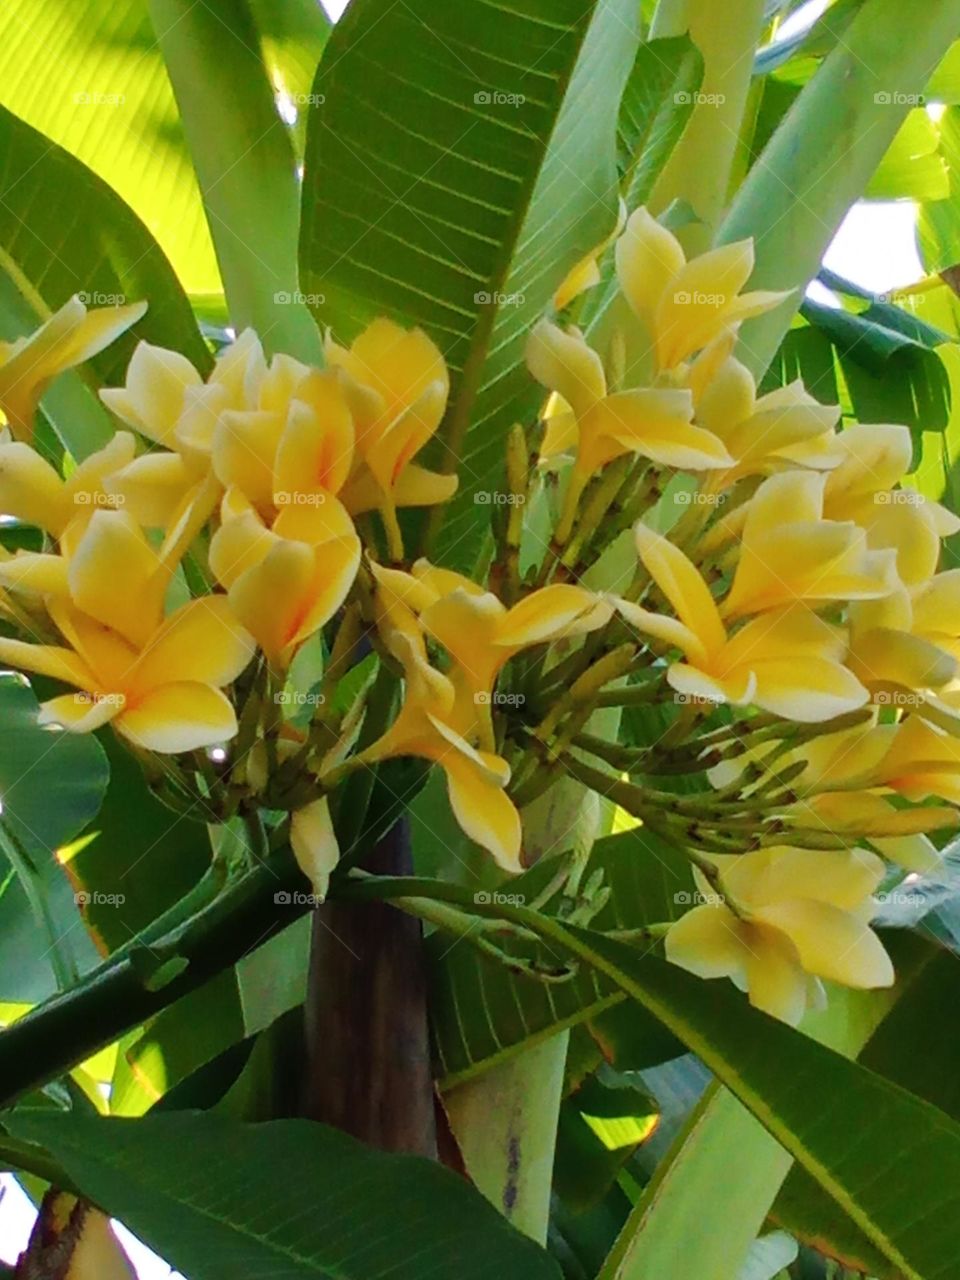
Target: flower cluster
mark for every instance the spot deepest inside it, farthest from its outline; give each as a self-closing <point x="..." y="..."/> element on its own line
<point x="674" y="542"/>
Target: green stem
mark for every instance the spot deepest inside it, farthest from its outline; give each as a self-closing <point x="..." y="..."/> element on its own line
<point x="700" y="168"/>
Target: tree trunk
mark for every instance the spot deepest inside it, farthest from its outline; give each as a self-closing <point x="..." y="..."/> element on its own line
<point x="368" y="1051"/>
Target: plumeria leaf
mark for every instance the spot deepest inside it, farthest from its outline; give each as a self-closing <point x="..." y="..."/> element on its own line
<point x="466" y="219"/>
<point x="237" y="1209"/>
<point x="482" y="1014"/>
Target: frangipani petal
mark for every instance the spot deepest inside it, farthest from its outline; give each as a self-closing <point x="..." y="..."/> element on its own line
<point x="484" y="810"/>
<point x="681" y="582"/>
<point x="563" y="362"/>
<point x="314" y="844"/>
<point x="201" y="641"/>
<point x="178" y="717"/>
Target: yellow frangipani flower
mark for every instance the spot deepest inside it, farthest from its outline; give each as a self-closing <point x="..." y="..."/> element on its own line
<point x="654" y="423"/>
<point x="398" y="386"/>
<point x="425" y="728"/>
<point x="876" y="458"/>
<point x="33" y="491"/>
<point x="295" y="449"/>
<point x="482" y="635"/>
<point x="788" y="552"/>
<point x="788" y="662"/>
<point x="286" y="580"/>
<point x="852" y="776"/>
<point x="684" y="306"/>
<point x="888" y="648"/>
<point x="71" y="335"/>
<point x="587" y="271"/>
<point x="158" y="680"/>
<point x="785" y="428"/>
<point x="795" y="916"/>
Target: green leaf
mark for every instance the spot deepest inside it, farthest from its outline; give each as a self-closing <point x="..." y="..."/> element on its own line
<point x="462" y="161"/>
<point x="90" y="76"/>
<point x="103" y="252"/>
<point x="245" y="164"/>
<point x="36" y="763"/>
<point x="938" y="233"/>
<point x="891" y="369"/>
<point x="657" y="103"/>
<point x="286" y="1199"/>
<point x="483" y="1015"/>
<point x="916" y="1046"/>
<point x="891" y="1160"/>
<point x="826" y="150"/>
<point x="913" y="167"/>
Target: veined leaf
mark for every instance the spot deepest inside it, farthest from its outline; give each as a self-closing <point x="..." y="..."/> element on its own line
<point x="34" y="764"/>
<point x="287" y="1199"/>
<point x="64" y="232"/>
<point x="826" y="149"/>
<point x="482" y="1014"/>
<point x="462" y="160"/>
<point x="891" y="1160"/>
<point x="91" y="77"/>
<point x="244" y="161"/>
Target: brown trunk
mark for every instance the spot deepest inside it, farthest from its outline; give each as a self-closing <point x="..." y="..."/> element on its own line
<point x="368" y="1052"/>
